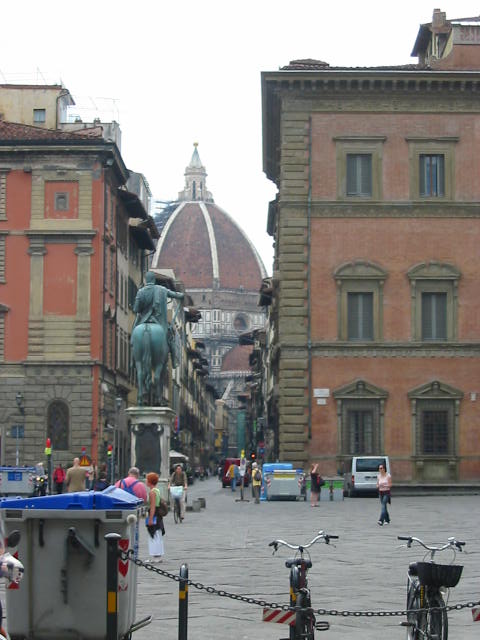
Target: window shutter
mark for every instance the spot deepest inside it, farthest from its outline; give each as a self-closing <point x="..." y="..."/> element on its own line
<point x="351" y="174"/>
<point x="366" y="175"/>
<point x="360" y="316"/>
<point x="434" y="316"/>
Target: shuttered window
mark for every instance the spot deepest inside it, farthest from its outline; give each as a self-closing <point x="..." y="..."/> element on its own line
<point x="360" y="316"/>
<point x="434" y="316"/>
<point x="432" y="175"/>
<point x="360" y="432"/>
<point x="435" y="432"/>
<point x="359" y="174"/>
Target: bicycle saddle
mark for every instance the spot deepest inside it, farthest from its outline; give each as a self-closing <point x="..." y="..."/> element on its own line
<point x="298" y="561"/>
<point x="413" y="569"/>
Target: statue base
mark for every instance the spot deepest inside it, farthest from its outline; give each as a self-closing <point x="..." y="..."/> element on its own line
<point x="150" y="429"/>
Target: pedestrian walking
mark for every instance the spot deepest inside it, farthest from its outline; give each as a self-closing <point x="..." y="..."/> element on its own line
<point x="256" y="482"/>
<point x="132" y="484"/>
<point x="384" y="485"/>
<point x="75" y="477"/>
<point x="101" y="482"/>
<point x="59" y="478"/>
<point x="154" y="521"/>
<point x="179" y="479"/>
<point x="316" y="482"/>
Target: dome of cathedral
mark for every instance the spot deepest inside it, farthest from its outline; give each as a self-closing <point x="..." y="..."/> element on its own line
<point x="204" y="246"/>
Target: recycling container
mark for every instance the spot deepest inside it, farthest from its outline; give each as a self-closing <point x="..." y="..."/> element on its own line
<point x="63" y="593"/>
<point x="267" y="468"/>
<point x="285" y="484"/>
<point x="17" y="481"/>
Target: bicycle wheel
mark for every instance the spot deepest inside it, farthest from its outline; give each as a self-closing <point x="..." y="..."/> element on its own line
<point x="176" y="511"/>
<point x="437" y="620"/>
<point x="414" y="617"/>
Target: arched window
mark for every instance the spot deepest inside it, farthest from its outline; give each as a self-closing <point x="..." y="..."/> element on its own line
<point x="58" y="425"/>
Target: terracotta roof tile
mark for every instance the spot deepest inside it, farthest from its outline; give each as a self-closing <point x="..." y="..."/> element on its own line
<point x="12" y="131"/>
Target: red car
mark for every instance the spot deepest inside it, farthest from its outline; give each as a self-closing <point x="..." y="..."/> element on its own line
<point x="226" y="478"/>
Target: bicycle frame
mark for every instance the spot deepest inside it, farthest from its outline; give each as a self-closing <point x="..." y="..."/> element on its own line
<point x="426" y="615"/>
<point x="300" y="599"/>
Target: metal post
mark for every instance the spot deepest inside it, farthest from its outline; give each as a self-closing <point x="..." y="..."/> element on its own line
<point x="112" y="585"/>
<point x="183" y="603"/>
<point x="16" y="452"/>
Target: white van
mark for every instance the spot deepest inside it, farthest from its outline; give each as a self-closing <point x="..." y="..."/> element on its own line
<point x="363" y="476"/>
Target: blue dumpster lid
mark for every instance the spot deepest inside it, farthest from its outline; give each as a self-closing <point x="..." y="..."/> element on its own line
<point x="272" y="466"/>
<point x="109" y="498"/>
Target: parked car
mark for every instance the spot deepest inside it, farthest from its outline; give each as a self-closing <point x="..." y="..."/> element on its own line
<point x="226" y="467"/>
<point x="362" y="477"/>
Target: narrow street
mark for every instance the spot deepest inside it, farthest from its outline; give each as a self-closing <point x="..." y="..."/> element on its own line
<point x="226" y="546"/>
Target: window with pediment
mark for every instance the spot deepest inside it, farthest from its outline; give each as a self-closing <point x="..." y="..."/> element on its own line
<point x="360" y="411"/>
<point x="434" y="296"/>
<point x="360" y="301"/>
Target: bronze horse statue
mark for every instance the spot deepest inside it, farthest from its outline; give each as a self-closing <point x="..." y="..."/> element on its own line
<point x="151" y="339"/>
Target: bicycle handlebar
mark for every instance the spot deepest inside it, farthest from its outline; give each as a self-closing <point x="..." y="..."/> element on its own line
<point x="321" y="535"/>
<point x="452" y="542"/>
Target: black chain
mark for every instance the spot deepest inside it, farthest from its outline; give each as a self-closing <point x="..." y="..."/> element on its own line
<point x="129" y="555"/>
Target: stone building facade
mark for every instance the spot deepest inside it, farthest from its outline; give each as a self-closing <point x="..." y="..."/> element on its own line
<point x="374" y="314"/>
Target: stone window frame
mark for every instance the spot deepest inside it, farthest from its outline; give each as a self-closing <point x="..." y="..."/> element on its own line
<point x="3" y="193"/>
<point x="432" y="396"/>
<point x="359" y="276"/>
<point x="358" y="395"/>
<point x="64" y="405"/>
<point x="434" y="277"/>
<point x="358" y="144"/>
<point x="420" y="145"/>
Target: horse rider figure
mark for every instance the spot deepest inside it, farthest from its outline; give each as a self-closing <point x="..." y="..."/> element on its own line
<point x="150" y="345"/>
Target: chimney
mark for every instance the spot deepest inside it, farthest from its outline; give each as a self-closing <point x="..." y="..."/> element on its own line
<point x="439" y="18"/>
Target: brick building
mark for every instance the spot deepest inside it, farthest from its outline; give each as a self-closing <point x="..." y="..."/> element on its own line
<point x="375" y="316"/>
<point x="73" y="245"/>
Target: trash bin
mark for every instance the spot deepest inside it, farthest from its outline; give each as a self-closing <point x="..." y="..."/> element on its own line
<point x="285" y="484"/>
<point x="17" y="481"/>
<point x="266" y="469"/>
<point x="63" y="593"/>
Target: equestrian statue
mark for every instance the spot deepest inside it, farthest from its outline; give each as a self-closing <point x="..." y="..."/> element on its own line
<point x="153" y="337"/>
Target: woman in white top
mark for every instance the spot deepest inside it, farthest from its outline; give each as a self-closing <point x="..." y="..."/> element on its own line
<point x="384" y="484"/>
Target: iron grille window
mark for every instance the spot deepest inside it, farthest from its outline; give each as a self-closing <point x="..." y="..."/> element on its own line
<point x="435" y="432"/>
<point x="359" y="174"/>
<point x="360" y="316"/>
<point x="360" y="432"/>
<point x="58" y="425"/>
<point x="434" y="316"/>
<point x="432" y="175"/>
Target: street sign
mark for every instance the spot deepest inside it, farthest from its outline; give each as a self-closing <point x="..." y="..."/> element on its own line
<point x="85" y="461"/>
<point x="17" y="431"/>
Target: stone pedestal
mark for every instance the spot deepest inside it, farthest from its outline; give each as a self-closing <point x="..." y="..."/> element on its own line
<point x="150" y="429"/>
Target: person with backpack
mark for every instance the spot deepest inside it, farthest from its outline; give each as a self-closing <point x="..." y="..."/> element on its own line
<point x="133" y="485"/>
<point x="256" y="482"/>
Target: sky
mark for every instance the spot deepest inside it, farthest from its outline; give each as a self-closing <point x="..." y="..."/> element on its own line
<point x="184" y="71"/>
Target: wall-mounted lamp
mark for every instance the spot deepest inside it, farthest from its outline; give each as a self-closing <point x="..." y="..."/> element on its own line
<point x="19" y="401"/>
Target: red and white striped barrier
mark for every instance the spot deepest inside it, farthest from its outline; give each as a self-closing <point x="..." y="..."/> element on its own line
<point x="279" y="615"/>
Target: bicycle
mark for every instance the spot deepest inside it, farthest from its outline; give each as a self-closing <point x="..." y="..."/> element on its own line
<point x="300" y="599"/>
<point x="426" y="614"/>
<point x="177" y="492"/>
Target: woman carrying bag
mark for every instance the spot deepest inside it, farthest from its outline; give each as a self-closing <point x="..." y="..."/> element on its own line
<point x="154" y="520"/>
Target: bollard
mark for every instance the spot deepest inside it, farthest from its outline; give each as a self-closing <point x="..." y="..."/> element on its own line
<point x="203" y="502"/>
<point x="183" y="603"/>
<point x="112" y="585"/>
<point x="331" y="490"/>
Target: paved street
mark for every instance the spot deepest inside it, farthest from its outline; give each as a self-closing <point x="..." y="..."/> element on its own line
<point x="226" y="546"/>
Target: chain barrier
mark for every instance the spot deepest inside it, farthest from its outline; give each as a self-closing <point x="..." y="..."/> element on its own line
<point x="129" y="555"/>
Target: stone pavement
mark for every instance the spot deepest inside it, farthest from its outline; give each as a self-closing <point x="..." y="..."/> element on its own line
<point x="226" y="546"/>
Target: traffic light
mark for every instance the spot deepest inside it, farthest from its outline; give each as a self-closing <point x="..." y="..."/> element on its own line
<point x="109" y="450"/>
<point x="253" y="456"/>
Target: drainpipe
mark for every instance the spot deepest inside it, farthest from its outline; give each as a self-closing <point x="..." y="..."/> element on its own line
<point x="309" y="278"/>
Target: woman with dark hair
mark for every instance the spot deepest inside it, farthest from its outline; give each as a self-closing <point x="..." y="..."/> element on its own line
<point x="314" y="485"/>
<point x="154" y="520"/>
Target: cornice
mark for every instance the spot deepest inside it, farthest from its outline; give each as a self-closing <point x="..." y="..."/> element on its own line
<point x="416" y="209"/>
<point x="384" y="350"/>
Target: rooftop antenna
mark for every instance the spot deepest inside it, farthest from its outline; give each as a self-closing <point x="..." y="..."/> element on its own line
<point x="3" y="76"/>
<point x="39" y="73"/>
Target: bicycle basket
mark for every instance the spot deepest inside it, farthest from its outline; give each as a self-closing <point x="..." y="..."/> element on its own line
<point x="439" y="575"/>
<point x="176" y="491"/>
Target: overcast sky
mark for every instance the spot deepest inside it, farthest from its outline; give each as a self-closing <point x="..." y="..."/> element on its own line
<point x="177" y="72"/>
